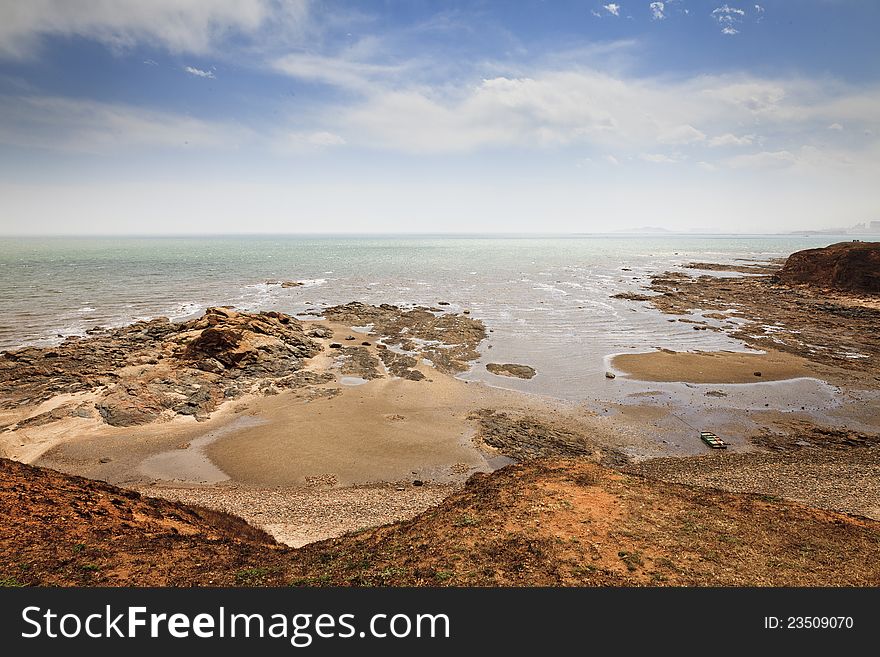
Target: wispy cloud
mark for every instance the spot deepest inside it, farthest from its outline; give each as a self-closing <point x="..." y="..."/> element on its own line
<point x="657" y="9"/>
<point x="612" y="8"/>
<point x="79" y="125"/>
<point x="657" y="158"/>
<point x="681" y="134"/>
<point x="336" y="71"/>
<point x="730" y="139"/>
<point x="728" y="18"/>
<point x="762" y="160"/>
<point x="192" y="70"/>
<point x="194" y="26"/>
<point x="298" y="142"/>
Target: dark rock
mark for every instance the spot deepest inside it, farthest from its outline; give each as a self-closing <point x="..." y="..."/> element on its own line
<point x="335" y="345"/>
<point x="126" y="408"/>
<point x="631" y="296"/>
<point x="511" y="369"/>
<point x="846" y="266"/>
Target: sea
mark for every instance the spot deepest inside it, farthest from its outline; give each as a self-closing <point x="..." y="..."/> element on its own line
<point x="546" y="299"/>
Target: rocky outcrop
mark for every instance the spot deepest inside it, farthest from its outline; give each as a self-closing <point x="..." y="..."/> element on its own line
<point x="846" y="266"/>
<point x="148" y="370"/>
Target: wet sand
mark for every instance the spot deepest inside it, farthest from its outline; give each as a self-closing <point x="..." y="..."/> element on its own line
<point x="712" y="367"/>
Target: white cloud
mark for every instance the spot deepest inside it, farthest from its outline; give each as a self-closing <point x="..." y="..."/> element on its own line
<point x="194" y="26"/>
<point x="612" y="160"/>
<point x="835" y="126"/>
<point x="657" y="9"/>
<point x="807" y="158"/>
<point x="192" y="70"/>
<point x="657" y="158"/>
<point x="50" y="122"/>
<point x="612" y="8"/>
<point x="728" y="17"/>
<point x="336" y="71"/>
<point x="681" y="134"/>
<point x="763" y="160"/>
<point x="557" y="108"/>
<point x="729" y="139"/>
<point x="307" y="141"/>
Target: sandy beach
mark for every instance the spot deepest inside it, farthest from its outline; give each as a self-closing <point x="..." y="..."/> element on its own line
<point x="712" y="367"/>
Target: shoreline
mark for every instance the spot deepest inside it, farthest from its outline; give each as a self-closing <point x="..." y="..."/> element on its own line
<point x="307" y="439"/>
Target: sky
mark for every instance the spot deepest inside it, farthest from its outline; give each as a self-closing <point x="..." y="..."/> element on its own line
<point x="308" y="116"/>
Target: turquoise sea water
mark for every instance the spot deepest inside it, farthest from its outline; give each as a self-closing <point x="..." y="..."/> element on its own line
<point x="546" y="298"/>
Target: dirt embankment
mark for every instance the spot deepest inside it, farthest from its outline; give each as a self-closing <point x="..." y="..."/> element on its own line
<point x="59" y="530"/>
<point x="546" y="522"/>
<point x="572" y="522"/>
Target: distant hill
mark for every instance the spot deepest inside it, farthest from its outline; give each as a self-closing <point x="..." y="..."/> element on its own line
<point x="863" y="228"/>
<point x="646" y="230"/>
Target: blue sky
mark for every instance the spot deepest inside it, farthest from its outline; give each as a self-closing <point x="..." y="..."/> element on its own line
<point x="298" y="116"/>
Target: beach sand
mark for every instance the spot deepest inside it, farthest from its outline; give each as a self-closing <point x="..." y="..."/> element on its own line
<point x="712" y="367"/>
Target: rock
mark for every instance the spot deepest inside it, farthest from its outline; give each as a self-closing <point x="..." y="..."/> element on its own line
<point x="609" y="375"/>
<point x="442" y="303"/>
<point x="335" y="345"/>
<point x="322" y="332"/>
<point x="351" y="337"/>
<point x="126" y="408"/>
<point x="846" y="266"/>
<point x="452" y="339"/>
<point x="418" y="482"/>
<point x="291" y="284"/>
<point x="104" y="459"/>
<point x="524" y="438"/>
<point x="757" y="374"/>
<point x="511" y="369"/>
<point x="631" y="296"/>
<point x="358" y="361"/>
<point x="365" y="344"/>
